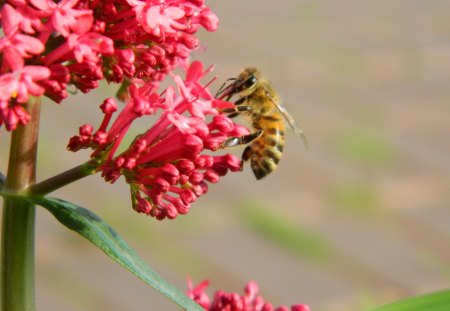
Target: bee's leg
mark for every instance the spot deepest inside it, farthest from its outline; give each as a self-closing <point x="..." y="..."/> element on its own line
<point x="240" y="101"/>
<point x="241" y="140"/>
<point x="246" y="156"/>
<point x="235" y="111"/>
<point x="233" y="115"/>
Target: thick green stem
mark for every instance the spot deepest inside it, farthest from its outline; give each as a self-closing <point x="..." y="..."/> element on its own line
<point x="17" y="258"/>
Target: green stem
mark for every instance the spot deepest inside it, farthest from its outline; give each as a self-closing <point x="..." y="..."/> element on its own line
<point x="17" y="258"/>
<point x="65" y="178"/>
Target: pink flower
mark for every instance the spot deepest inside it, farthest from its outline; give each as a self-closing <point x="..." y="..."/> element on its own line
<point x="159" y="19"/>
<point x="170" y="25"/>
<point x="22" y="17"/>
<point x="83" y="49"/>
<point x="63" y="18"/>
<point x="198" y="293"/>
<point x="55" y="86"/>
<point x="19" y="84"/>
<point x="16" y="48"/>
<point x="12" y="114"/>
<point x="223" y="301"/>
<point x="165" y="166"/>
<point x="82" y="42"/>
<point x="15" y="88"/>
<point x="208" y="20"/>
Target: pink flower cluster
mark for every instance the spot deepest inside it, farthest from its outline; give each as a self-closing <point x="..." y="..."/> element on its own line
<point x="48" y="45"/>
<point x="223" y="301"/>
<point x="166" y="167"/>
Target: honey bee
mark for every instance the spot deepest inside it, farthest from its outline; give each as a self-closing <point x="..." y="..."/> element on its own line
<point x="261" y="104"/>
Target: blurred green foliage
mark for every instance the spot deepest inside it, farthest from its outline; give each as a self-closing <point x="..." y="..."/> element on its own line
<point x="356" y="198"/>
<point x="278" y="228"/>
<point x="364" y="146"/>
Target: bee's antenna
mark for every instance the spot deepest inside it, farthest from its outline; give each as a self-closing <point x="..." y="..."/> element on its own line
<point x="223" y="88"/>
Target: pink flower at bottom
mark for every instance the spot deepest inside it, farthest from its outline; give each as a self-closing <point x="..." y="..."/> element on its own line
<point x="222" y="301"/>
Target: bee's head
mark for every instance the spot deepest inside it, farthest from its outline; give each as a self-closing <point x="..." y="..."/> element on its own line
<point x="246" y="82"/>
<point x="244" y="85"/>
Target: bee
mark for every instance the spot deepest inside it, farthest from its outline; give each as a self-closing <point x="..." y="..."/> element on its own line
<point x="261" y="104"/>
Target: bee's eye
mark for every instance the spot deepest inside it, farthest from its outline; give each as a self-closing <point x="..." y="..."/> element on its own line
<point x="251" y="81"/>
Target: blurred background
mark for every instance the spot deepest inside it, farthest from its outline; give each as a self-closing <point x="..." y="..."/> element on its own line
<point x="358" y="220"/>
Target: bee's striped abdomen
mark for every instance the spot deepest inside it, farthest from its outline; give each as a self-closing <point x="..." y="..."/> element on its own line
<point x="266" y="151"/>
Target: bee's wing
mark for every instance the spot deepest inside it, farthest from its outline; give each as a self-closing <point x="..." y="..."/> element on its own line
<point x="290" y="120"/>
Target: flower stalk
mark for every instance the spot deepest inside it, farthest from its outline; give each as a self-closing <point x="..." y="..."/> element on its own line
<point x="17" y="259"/>
<point x="58" y="181"/>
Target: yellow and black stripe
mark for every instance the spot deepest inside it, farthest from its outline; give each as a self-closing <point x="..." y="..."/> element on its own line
<point x="265" y="152"/>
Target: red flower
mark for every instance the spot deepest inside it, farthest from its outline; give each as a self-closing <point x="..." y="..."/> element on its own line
<point x="21" y="16"/>
<point x="165" y="166"/>
<point x="16" y="48"/>
<point x="18" y="84"/>
<point x="63" y="18"/>
<point x="15" y="89"/>
<point x="82" y="42"/>
<point x="223" y="301"/>
<point x="159" y="19"/>
<point x="12" y="114"/>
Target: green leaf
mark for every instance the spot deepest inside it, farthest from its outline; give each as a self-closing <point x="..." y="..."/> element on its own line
<point x="93" y="228"/>
<point x="439" y="301"/>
